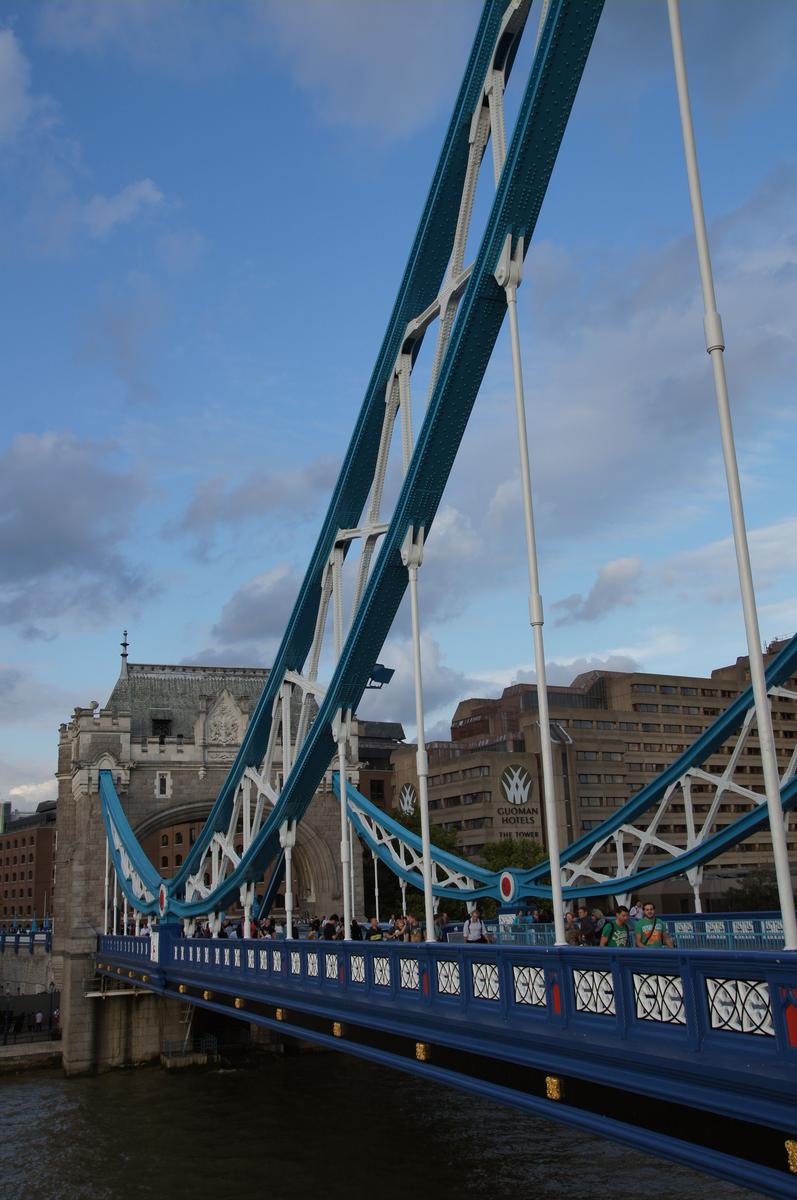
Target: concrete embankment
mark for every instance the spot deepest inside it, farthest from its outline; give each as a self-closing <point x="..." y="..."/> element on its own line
<point x="28" y="1055"/>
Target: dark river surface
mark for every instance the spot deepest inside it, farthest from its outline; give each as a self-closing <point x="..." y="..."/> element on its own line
<point x="314" y="1125"/>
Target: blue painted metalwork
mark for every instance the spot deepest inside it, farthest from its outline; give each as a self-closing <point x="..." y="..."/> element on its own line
<point x="562" y="50"/>
<point x="563" y="47"/>
<point x="716" y="1032"/>
<point x="30" y="941"/>
<point x="528" y="882"/>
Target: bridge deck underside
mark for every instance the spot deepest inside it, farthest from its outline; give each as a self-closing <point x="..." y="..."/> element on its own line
<point x="695" y="1050"/>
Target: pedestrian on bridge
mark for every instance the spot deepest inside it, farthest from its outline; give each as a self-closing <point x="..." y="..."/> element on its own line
<point x="651" y="930"/>
<point x="475" y="929"/>
<point x="618" y="932"/>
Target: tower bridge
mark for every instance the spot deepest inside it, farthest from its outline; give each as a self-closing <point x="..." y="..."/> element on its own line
<point x="689" y="1054"/>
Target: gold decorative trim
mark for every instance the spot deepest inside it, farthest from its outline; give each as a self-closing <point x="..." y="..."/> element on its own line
<point x="239" y="1003"/>
<point x="280" y="1014"/>
<point x="337" y="1029"/>
<point x="423" y="1051"/>
<point x="182" y="989"/>
<point x="207" y="995"/>
<point x="791" y="1154"/>
<point x="553" y="1087"/>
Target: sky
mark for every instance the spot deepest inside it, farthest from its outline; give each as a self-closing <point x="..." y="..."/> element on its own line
<point x="205" y="210"/>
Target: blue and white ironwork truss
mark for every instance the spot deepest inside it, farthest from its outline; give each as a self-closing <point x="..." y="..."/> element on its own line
<point x="299" y="720"/>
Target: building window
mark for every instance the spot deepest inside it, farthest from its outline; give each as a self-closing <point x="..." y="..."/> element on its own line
<point x="178" y="838"/>
<point x="587" y="755"/>
<point x="162" y="783"/>
<point x="164" y="839"/>
<point x="178" y="860"/>
<point x="164" y="860"/>
<point x="687" y="691"/>
<point x="378" y="790"/>
<point x="161" y="728"/>
<point x="582" y="724"/>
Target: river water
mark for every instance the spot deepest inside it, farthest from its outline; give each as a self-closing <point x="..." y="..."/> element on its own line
<point x="314" y="1125"/>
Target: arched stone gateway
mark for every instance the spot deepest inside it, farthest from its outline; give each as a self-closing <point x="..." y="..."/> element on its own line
<point x="169" y="735"/>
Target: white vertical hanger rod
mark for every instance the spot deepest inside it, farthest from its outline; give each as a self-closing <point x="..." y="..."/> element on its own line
<point x="715" y="345"/>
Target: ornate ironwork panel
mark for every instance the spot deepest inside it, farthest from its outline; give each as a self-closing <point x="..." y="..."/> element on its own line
<point x="448" y="978"/>
<point x="529" y="986"/>
<point x="409" y="975"/>
<point x="382" y="972"/>
<point x="660" y="998"/>
<point x="740" y="1006"/>
<point x="594" y="991"/>
<point x="486" y="985"/>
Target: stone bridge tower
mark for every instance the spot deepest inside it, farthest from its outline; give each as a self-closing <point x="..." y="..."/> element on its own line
<point x="169" y="734"/>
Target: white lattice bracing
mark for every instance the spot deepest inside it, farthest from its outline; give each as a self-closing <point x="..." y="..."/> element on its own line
<point x="349" y="563"/>
<point x="407" y="858"/>
<point x="633" y="847"/>
<point x="126" y="869"/>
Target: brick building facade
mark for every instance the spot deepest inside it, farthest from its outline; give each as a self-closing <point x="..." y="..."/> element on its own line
<point x="612" y="733"/>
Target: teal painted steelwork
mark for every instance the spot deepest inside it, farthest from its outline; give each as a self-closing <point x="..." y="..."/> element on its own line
<point x="556" y="71"/>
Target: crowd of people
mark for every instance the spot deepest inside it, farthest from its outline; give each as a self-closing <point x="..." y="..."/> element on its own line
<point x="637" y="926"/>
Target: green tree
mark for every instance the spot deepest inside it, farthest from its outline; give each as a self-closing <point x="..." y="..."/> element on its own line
<point x="758" y="892"/>
<point x="518" y="853"/>
<point x="389" y="887"/>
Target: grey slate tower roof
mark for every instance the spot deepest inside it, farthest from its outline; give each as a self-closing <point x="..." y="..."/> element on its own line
<point x="179" y="693"/>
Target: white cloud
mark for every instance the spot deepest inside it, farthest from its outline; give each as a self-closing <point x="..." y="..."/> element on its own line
<point x="371" y="66"/>
<point x="615" y="587"/>
<point x="443" y="686"/>
<point x="219" y="501"/>
<point x="35" y="793"/>
<point x="102" y="213"/>
<point x="258" y="611"/>
<point x="28" y="783"/>
<point x="18" y="105"/>
<point x="64" y="510"/>
<point x="378" y="66"/>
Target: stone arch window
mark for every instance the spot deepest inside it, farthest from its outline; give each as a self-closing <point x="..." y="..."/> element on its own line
<point x="163" y="785"/>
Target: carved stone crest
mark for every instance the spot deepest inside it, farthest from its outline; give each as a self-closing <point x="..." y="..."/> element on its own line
<point x="225" y="722"/>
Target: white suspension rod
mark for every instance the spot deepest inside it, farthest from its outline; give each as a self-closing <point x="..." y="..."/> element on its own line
<point x="376" y="885"/>
<point x="105" y="916"/>
<point x="715" y="345"/>
<point x="413" y="557"/>
<point x="509" y="277"/>
<point x="344" y="837"/>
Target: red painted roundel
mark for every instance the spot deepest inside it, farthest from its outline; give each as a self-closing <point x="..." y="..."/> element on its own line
<point x="506" y="886"/>
<point x="162" y="899"/>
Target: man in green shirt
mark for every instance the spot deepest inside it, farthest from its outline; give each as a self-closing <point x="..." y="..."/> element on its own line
<point x="651" y="930"/>
<point x="619" y="933"/>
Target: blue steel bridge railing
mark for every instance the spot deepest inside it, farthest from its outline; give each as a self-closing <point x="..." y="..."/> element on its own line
<point x="712" y="1036"/>
<point x="687" y="933"/>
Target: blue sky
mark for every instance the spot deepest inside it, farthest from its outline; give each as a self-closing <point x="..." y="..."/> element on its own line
<point x="204" y="213"/>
